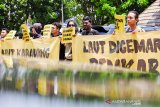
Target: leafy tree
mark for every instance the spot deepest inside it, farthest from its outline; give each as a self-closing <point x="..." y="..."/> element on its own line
<point x="103" y="11"/>
<point x="15" y="12"/>
<point x="2" y="14"/>
<point x="12" y="14"/>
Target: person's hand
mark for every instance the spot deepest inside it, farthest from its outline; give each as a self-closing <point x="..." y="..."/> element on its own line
<point x="114" y="33"/>
<point x="74" y="35"/>
<point x="2" y="40"/>
<point x="133" y="32"/>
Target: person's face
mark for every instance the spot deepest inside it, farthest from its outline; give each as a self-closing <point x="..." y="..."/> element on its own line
<point x="34" y="31"/>
<point x="131" y="20"/>
<point x="55" y="30"/>
<point x="71" y="24"/>
<point x="87" y="25"/>
<point x="3" y="33"/>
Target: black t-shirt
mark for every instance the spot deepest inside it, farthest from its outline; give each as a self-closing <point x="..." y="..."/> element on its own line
<point x="34" y="36"/>
<point x="92" y="32"/>
<point x="62" y="52"/>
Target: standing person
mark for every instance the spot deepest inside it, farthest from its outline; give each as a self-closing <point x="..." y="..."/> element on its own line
<point x="56" y="32"/>
<point x="68" y="46"/>
<point x="4" y="32"/>
<point x="72" y="23"/>
<point x="36" y="30"/>
<point x="56" y="29"/>
<point x="87" y="27"/>
<point x="132" y="20"/>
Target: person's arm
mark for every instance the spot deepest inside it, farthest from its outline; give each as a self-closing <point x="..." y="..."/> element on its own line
<point x="83" y="32"/>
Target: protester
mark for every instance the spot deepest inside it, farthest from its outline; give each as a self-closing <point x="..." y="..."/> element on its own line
<point x="87" y="27"/>
<point x="132" y="20"/>
<point x="56" y="29"/>
<point x="4" y="32"/>
<point x="72" y="23"/>
<point x="56" y="32"/>
<point x="36" y="30"/>
<point x="68" y="46"/>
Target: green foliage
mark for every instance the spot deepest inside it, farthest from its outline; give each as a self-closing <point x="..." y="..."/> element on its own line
<point x="15" y="12"/>
<point x="104" y="10"/>
<point x="142" y="2"/>
<point x="2" y="10"/>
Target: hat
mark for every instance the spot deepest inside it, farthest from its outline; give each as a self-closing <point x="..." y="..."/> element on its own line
<point x="37" y="25"/>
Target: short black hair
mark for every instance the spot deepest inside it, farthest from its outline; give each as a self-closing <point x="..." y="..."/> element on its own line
<point x="5" y="30"/>
<point x="136" y="13"/>
<point x="57" y="24"/>
<point x="87" y="18"/>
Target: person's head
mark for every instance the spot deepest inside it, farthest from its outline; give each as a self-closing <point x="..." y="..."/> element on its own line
<point x="132" y="18"/>
<point x="56" y="28"/>
<point x="36" y="28"/>
<point x="4" y="32"/>
<point x="72" y="23"/>
<point x="87" y="23"/>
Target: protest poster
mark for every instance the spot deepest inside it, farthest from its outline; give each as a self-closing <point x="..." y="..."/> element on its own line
<point x="67" y="34"/>
<point x="119" y="23"/>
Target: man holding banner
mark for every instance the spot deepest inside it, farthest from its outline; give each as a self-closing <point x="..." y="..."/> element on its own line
<point x="87" y="27"/>
<point x="56" y="32"/>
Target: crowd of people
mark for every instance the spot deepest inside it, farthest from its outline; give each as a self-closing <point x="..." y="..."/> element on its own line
<point x="65" y="49"/>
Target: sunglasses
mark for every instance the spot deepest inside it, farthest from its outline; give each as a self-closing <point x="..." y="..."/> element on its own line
<point x="71" y="25"/>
